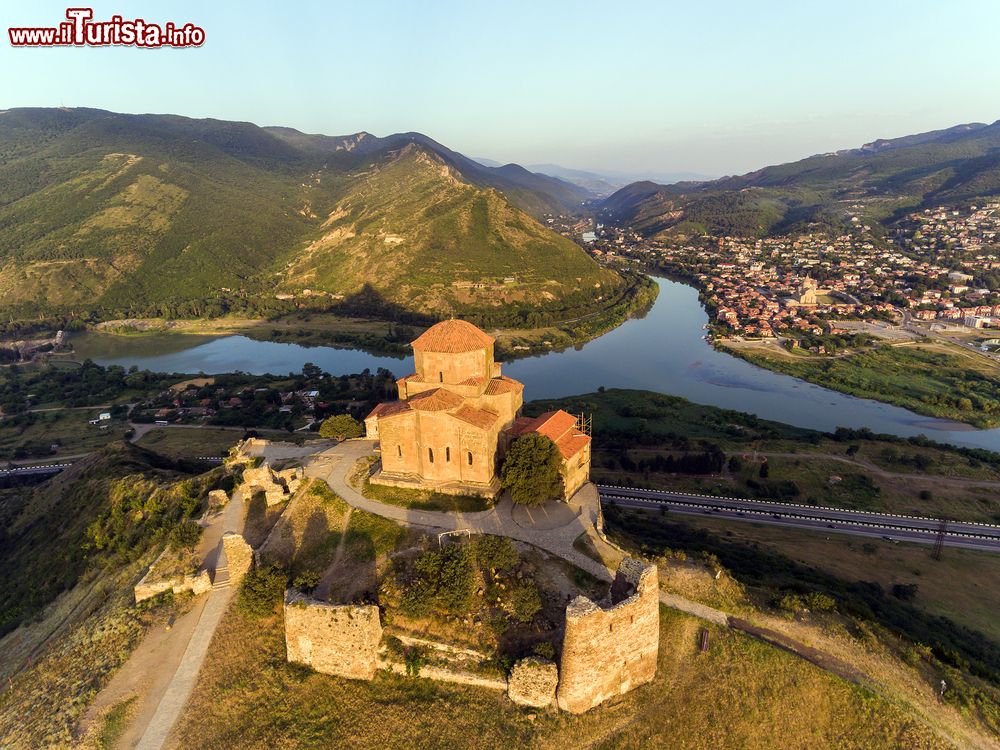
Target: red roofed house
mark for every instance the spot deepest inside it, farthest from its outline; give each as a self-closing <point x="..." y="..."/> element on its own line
<point x="450" y="426"/>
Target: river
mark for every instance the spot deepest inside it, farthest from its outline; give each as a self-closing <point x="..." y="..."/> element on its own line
<point x="665" y="351"/>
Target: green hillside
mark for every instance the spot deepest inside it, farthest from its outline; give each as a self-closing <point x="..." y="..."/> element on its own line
<point x="415" y="233"/>
<point x="114" y="215"/>
<point x="887" y="178"/>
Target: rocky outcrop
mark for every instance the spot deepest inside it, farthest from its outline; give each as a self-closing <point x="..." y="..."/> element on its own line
<point x="532" y="682"/>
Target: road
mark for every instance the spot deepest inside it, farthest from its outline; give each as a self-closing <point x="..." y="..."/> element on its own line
<point x="838" y="520"/>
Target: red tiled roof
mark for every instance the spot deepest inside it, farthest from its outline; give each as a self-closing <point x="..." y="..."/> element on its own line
<point x="554" y="424"/>
<point x="558" y="426"/>
<point x="437" y="399"/>
<point x="572" y="443"/>
<point x="388" y="408"/>
<point x="480" y="418"/>
<point x="452" y="336"/>
<point x="503" y="384"/>
<point x="474" y="380"/>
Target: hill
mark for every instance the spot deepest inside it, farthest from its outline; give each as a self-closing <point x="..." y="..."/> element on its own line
<point x="117" y="215"/>
<point x="887" y="178"/>
<point x="413" y="232"/>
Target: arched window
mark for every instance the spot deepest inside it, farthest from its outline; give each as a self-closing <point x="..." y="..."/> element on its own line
<point x="430" y="455"/>
<point x="399" y="451"/>
<point x="441" y="376"/>
<point x="447" y="454"/>
<point x="470" y="458"/>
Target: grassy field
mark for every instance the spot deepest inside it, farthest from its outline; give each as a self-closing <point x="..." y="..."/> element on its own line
<point x="633" y="428"/>
<point x="973" y="603"/>
<point x="180" y="442"/>
<point x="32" y="435"/>
<point x="939" y="380"/>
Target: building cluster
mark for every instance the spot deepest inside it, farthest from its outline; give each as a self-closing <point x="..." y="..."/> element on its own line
<point x="782" y="285"/>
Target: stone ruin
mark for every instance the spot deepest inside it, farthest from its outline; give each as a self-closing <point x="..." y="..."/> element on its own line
<point x="239" y="555"/>
<point x="336" y="639"/>
<point x="606" y="651"/>
<point x="609" y="651"/>
<point x="277" y="486"/>
<point x="217" y="499"/>
<point x="532" y="682"/>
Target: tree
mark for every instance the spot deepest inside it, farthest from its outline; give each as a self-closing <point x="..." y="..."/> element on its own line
<point x="531" y="470"/>
<point x="340" y="426"/>
<point x="765" y="470"/>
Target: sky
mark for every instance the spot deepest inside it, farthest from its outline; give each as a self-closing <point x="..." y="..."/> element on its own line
<point x="710" y="87"/>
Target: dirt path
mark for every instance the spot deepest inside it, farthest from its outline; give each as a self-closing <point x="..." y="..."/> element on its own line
<point x="162" y="670"/>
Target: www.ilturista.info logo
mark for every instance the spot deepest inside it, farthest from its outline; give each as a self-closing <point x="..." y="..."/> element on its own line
<point x="81" y="31"/>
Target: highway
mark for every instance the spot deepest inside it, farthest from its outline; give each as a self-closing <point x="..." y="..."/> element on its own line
<point x="26" y="471"/>
<point x="887" y="526"/>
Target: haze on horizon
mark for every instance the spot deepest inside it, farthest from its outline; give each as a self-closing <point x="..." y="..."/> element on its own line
<point x="714" y="88"/>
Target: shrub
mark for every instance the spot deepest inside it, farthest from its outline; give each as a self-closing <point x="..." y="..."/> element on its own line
<point x="262" y="589"/>
<point x="445" y="580"/>
<point x="544" y="649"/>
<point x="185" y="536"/>
<point x="525" y="602"/>
<point x="341" y="426"/>
<point x="531" y="470"/>
<point x="306" y="581"/>
<point x="496" y="553"/>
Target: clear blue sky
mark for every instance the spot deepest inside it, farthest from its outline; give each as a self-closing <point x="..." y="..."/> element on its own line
<point x="710" y="86"/>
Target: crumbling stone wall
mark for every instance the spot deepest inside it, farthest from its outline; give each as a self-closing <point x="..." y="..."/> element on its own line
<point x="239" y="555"/>
<point x="610" y="650"/>
<point x="217" y="499"/>
<point x="262" y="479"/>
<point x="532" y="682"/>
<point x="196" y="583"/>
<point x="337" y="639"/>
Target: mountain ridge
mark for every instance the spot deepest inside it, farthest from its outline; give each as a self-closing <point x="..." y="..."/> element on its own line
<point x="888" y="177"/>
<point x="118" y="215"/>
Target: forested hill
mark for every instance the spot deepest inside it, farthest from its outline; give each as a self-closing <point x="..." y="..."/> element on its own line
<point x="115" y="215"/>
<point x="887" y="178"/>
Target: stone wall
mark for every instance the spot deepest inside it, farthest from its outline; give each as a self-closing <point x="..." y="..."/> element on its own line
<point x="532" y="682"/>
<point x="196" y="583"/>
<point x="337" y="639"/>
<point x="262" y="479"/>
<point x="610" y="650"/>
<point x="239" y="555"/>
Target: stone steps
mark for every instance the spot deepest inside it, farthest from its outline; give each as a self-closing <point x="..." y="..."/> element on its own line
<point x="221" y="579"/>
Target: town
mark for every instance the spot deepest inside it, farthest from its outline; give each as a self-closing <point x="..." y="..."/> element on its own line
<point x="809" y="284"/>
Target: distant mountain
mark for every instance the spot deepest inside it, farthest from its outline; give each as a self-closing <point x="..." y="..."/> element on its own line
<point x="118" y="214"/>
<point x="883" y="180"/>
<point x="537" y="194"/>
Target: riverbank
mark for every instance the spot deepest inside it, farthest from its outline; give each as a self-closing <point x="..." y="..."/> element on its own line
<point x="377" y="337"/>
<point x="936" y="379"/>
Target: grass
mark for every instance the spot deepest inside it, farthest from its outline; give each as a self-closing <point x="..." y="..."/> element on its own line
<point x="854" y="471"/>
<point x="938" y="380"/>
<point x="181" y="442"/>
<point x="417" y="499"/>
<point x="114" y="724"/>
<point x="973" y="603"/>
<point x="69" y="429"/>
<point x="741" y="694"/>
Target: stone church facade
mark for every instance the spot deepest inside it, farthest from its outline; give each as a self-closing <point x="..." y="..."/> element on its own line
<point x="457" y="414"/>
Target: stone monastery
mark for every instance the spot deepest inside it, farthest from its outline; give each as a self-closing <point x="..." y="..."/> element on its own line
<point x="457" y="414"/>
